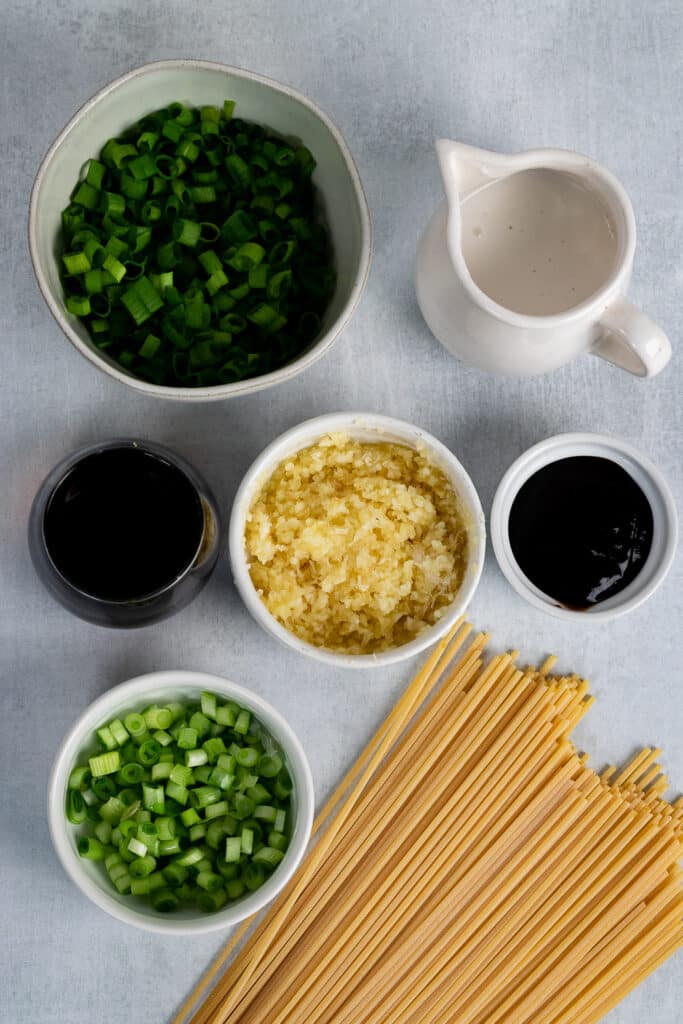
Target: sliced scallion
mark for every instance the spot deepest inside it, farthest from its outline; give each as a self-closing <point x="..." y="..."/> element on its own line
<point x="203" y="823"/>
<point x="229" y="208"/>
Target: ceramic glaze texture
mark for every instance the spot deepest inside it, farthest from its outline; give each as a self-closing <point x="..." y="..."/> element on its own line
<point x="478" y="257"/>
<point x="257" y="99"/>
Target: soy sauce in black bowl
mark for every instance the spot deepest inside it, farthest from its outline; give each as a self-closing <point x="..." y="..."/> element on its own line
<point x="124" y="533"/>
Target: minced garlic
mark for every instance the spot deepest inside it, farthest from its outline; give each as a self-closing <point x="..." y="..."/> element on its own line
<point x="356" y="547"/>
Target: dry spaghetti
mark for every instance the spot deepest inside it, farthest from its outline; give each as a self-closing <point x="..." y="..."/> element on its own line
<point x="472" y="870"/>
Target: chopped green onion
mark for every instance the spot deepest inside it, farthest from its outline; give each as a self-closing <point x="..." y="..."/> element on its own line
<point x="186" y="232"/>
<point x="143" y="196"/>
<point x="247" y="757"/>
<point x="193" y="829"/>
<point x="196" y="757"/>
<point x="233" y="849"/>
<point x="135" y="724"/>
<point x="177" y="792"/>
<point x="115" y="268"/>
<point x="239" y="227"/>
<point x="242" y="722"/>
<point x="278" y="841"/>
<point x="141" y="300"/>
<point x="118" y="731"/>
<point x="214" y="747"/>
<point x="248" y="255"/>
<point x="164" y="900"/>
<point x="112" y="810"/>
<point x="268" y="856"/>
<point x="130" y="773"/>
<point x="181" y="775"/>
<point x="265" y="812"/>
<point x="253" y="874"/>
<point x="76" y="808"/>
<point x="283" y="785"/>
<point x="105" y="764"/>
<point x="258" y="793"/>
<point x="187" y="738"/>
<point x="103" y="831"/>
<point x="142" y="866"/>
<point x="80" y="777"/>
<point x="149" y="752"/>
<point x="86" y="195"/>
<point x="76" y="262"/>
<point x="149" y="348"/>
<point x="202" y="796"/>
<point x="200" y="723"/>
<point x="94" y="173"/>
<point x="160" y="771"/>
<point x="153" y="798"/>
<point x="269" y="765"/>
<point x="227" y="714"/>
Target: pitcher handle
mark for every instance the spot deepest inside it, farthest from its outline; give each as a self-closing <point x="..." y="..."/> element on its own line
<point x="631" y="340"/>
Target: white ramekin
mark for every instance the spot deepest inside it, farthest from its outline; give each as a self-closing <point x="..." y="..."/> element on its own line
<point x="259" y="99"/>
<point x="648" y="478"/>
<point x="136" y="694"/>
<point x="363" y="427"/>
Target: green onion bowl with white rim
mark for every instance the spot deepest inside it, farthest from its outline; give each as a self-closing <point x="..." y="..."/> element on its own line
<point x="91" y="877"/>
<point x="198" y="83"/>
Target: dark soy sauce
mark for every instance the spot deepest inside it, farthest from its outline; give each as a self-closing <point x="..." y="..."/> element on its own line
<point x="581" y="530"/>
<point x="123" y="524"/>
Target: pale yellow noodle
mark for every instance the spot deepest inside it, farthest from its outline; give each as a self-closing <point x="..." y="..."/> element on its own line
<point x="471" y="868"/>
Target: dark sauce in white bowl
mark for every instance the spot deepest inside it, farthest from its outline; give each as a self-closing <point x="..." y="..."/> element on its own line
<point x="581" y="530"/>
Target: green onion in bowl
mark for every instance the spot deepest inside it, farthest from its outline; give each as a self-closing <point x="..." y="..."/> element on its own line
<point x="185" y="804"/>
<point x="193" y="249"/>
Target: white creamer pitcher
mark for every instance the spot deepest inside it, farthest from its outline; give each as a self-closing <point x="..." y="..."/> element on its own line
<point x="526" y="264"/>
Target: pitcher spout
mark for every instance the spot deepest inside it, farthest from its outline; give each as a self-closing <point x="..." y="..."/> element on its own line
<point x="464" y="169"/>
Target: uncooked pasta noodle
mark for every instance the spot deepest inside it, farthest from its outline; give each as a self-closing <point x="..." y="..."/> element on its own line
<point x="470" y="869"/>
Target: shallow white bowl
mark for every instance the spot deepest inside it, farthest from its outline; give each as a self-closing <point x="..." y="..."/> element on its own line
<point x="648" y="478"/>
<point x="360" y="426"/>
<point x="136" y="694"/>
<point x="259" y="99"/>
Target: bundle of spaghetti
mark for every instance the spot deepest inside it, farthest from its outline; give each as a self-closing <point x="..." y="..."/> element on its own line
<point x="471" y="869"/>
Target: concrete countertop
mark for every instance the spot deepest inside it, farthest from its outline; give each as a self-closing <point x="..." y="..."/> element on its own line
<point x="603" y="77"/>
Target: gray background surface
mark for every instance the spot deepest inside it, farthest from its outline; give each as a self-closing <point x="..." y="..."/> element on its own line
<point x="602" y="77"/>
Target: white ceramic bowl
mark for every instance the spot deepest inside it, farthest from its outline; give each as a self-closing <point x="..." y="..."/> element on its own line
<point x="360" y="426"/>
<point x="648" y="478"/>
<point x="258" y="99"/>
<point x="136" y="694"/>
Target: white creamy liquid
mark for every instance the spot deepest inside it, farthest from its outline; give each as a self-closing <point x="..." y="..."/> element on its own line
<point x="538" y="242"/>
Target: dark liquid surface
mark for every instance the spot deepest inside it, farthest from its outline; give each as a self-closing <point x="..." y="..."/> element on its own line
<point x="581" y="530"/>
<point x="123" y="524"/>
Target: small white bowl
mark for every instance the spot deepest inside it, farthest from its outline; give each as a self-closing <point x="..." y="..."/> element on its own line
<point x="359" y="426"/>
<point x="648" y="478"/>
<point x="259" y="99"/>
<point x="136" y="694"/>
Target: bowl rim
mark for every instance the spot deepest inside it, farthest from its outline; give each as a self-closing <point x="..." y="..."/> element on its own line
<point x="133" y="690"/>
<point x="305" y="434"/>
<point x="647" y="476"/>
<point x="218" y="391"/>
